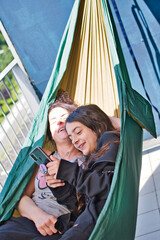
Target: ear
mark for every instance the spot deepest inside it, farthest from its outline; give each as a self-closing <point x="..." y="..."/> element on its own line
<point x="99" y="131"/>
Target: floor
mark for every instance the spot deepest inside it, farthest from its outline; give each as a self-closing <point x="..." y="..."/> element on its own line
<point x="148" y="221"/>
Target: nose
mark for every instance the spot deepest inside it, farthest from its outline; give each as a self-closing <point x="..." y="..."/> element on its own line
<point x="74" y="140"/>
<point x="60" y="121"/>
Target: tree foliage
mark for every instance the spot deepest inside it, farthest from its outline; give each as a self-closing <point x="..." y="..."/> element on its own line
<point x="5" y="53"/>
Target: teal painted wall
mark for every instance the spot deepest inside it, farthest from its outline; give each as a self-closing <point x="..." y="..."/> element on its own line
<point x="36" y="28"/>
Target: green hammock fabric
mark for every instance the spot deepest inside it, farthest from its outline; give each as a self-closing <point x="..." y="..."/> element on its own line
<point x="118" y="218"/>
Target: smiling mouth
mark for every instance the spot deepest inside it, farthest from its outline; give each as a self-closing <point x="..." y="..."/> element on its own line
<point x="61" y="129"/>
<point x="80" y="147"/>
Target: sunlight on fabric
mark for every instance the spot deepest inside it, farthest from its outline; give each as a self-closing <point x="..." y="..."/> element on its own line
<point x="89" y="76"/>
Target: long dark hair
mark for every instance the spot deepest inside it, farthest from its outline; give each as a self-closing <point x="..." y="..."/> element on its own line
<point x="94" y="118"/>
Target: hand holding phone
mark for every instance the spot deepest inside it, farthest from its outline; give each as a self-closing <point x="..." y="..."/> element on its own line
<point x="41" y="158"/>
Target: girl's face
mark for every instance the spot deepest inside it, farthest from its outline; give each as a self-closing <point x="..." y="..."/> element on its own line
<point x="82" y="137"/>
<point x="57" y="118"/>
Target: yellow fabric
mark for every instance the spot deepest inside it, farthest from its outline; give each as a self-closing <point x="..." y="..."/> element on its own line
<point x="90" y="77"/>
<point x="16" y="213"/>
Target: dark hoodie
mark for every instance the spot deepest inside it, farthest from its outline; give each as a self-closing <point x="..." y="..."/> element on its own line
<point x="94" y="182"/>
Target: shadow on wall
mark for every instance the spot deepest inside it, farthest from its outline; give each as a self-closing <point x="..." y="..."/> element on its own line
<point x="142" y="25"/>
<point x="154" y="7"/>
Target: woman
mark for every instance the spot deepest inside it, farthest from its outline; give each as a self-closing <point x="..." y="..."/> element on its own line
<point x="38" y="207"/>
<point x="91" y="132"/>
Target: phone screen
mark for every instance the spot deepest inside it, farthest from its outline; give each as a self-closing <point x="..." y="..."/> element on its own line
<point x="39" y="156"/>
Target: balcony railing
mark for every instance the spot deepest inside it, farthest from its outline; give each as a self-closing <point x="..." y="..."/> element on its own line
<point x="16" y="117"/>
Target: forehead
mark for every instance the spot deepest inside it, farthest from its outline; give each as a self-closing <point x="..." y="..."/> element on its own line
<point x="58" y="112"/>
<point x="72" y="126"/>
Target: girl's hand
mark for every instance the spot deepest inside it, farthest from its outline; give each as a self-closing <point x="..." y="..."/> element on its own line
<point x="53" y="166"/>
<point x="52" y="182"/>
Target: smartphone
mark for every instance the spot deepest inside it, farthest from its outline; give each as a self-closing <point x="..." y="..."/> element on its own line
<point x="41" y="158"/>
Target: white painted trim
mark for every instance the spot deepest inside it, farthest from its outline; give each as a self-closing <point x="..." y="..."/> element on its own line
<point x="19" y="73"/>
<point x="11" y="47"/>
<point x="7" y="69"/>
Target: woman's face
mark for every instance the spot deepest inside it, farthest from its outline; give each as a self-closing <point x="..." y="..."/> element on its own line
<point x="83" y="138"/>
<point x="57" y="118"/>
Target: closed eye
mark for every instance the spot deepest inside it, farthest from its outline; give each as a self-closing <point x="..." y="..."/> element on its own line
<point x="79" y="132"/>
<point x="52" y="121"/>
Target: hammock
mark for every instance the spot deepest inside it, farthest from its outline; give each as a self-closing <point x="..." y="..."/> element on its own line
<point x="91" y="67"/>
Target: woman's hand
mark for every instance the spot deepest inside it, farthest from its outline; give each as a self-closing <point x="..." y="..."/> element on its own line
<point x="45" y="223"/>
<point x="116" y="122"/>
<point x="53" y="166"/>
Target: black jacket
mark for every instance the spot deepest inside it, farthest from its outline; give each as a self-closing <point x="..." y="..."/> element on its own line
<point x="94" y="182"/>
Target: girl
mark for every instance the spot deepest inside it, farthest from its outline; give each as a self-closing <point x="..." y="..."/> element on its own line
<point x="91" y="132"/>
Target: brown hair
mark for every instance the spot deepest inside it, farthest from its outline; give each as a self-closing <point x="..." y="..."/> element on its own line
<point x="101" y="151"/>
<point x="94" y="118"/>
